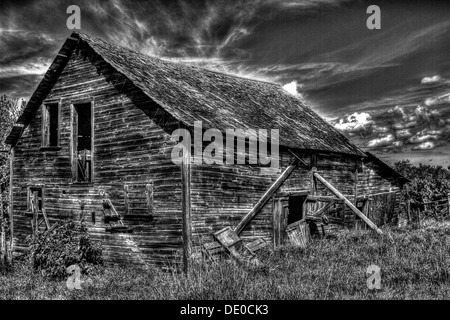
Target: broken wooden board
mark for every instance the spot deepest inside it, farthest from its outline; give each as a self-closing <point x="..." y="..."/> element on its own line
<point x="229" y="239"/>
<point x="257" y="244"/>
<point x="298" y="234"/>
<point x="213" y="250"/>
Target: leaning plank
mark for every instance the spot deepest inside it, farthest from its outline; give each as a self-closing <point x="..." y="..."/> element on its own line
<point x="234" y="245"/>
<point x="298" y="234"/>
<point x="269" y="193"/>
<point x="47" y="223"/>
<point x="348" y="203"/>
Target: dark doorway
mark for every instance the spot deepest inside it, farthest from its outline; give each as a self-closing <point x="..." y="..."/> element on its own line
<point x="296" y="208"/>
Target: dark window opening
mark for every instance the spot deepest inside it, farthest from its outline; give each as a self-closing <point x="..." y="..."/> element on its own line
<point x="83" y="141"/>
<point x="295" y="208"/>
<point x="50" y="118"/>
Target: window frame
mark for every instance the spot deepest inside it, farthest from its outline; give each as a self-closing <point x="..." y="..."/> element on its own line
<point x="148" y="190"/>
<point x="74" y="144"/>
<point x="45" y="114"/>
<point x="30" y="190"/>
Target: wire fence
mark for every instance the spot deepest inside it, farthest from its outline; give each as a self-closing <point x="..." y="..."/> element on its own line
<point x="438" y="209"/>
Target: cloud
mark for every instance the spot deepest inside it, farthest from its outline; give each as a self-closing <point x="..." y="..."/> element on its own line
<point x="381" y="142"/>
<point x="404" y="133"/>
<point x="399" y="128"/>
<point x="442" y="99"/>
<point x="422" y="138"/>
<point x="24" y="58"/>
<point x="425" y="146"/>
<point x="292" y="88"/>
<point x="355" y="123"/>
<point x="431" y="80"/>
<point x="31" y="67"/>
<point x="425" y="135"/>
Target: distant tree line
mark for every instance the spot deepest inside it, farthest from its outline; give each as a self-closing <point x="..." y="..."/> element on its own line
<point x="10" y="110"/>
<point x="428" y="183"/>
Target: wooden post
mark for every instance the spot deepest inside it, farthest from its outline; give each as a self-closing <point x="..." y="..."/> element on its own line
<point x="186" y="208"/>
<point x="366" y="211"/>
<point x="356" y="182"/>
<point x="269" y="193"/>
<point x="418" y="218"/>
<point x="348" y="203"/>
<point x="313" y="181"/>
<point x="35" y="207"/>
<point x="127" y="203"/>
<point x="10" y="208"/>
<point x="2" y="233"/>
<point x="149" y="197"/>
<point x="408" y="210"/>
<point x="448" y="203"/>
<point x="275" y="223"/>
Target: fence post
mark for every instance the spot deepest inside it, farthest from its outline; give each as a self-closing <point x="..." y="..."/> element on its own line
<point x="418" y="218"/>
<point x="448" y="203"/>
<point x="2" y="233"/>
<point x="408" y="210"/>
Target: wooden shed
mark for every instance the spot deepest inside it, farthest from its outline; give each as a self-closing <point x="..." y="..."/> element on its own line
<point x="95" y="140"/>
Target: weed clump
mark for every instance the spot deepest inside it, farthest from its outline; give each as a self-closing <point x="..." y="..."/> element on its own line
<point x="52" y="251"/>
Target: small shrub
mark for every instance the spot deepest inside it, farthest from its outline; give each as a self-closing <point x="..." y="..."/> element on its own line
<point x="69" y="243"/>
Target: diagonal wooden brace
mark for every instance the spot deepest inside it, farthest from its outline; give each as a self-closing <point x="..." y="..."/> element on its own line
<point x="348" y="203"/>
<point x="269" y="193"/>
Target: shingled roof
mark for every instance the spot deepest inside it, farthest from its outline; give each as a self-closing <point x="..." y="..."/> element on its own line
<point x="191" y="94"/>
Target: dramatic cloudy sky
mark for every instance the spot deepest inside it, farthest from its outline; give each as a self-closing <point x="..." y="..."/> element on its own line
<point x="388" y="89"/>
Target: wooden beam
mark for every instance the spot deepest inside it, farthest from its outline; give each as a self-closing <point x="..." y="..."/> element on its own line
<point x="313" y="182"/>
<point x="299" y="159"/>
<point x="324" y="199"/>
<point x="2" y="234"/>
<point x="348" y="203"/>
<point x="448" y="202"/>
<point x="269" y="193"/>
<point x="91" y="168"/>
<point x="186" y="208"/>
<point x="35" y="208"/>
<point x="149" y="197"/>
<point x="356" y="182"/>
<point x="113" y="209"/>
<point x="291" y="194"/>
<point x="127" y="202"/>
<point x="47" y="223"/>
<point x="322" y="210"/>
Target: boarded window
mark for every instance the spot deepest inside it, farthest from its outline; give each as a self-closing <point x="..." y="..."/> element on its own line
<point x="139" y="199"/>
<point x="50" y="125"/>
<point x="35" y="198"/>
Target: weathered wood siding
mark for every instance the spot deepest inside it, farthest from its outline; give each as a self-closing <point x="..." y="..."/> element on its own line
<point x="223" y="194"/>
<point x="130" y="148"/>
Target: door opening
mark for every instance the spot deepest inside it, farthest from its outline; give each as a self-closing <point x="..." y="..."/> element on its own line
<point x="296" y="209"/>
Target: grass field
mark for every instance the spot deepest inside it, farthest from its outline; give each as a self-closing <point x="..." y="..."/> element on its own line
<point x="415" y="264"/>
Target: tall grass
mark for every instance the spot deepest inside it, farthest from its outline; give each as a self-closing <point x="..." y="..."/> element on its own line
<point x="415" y="264"/>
